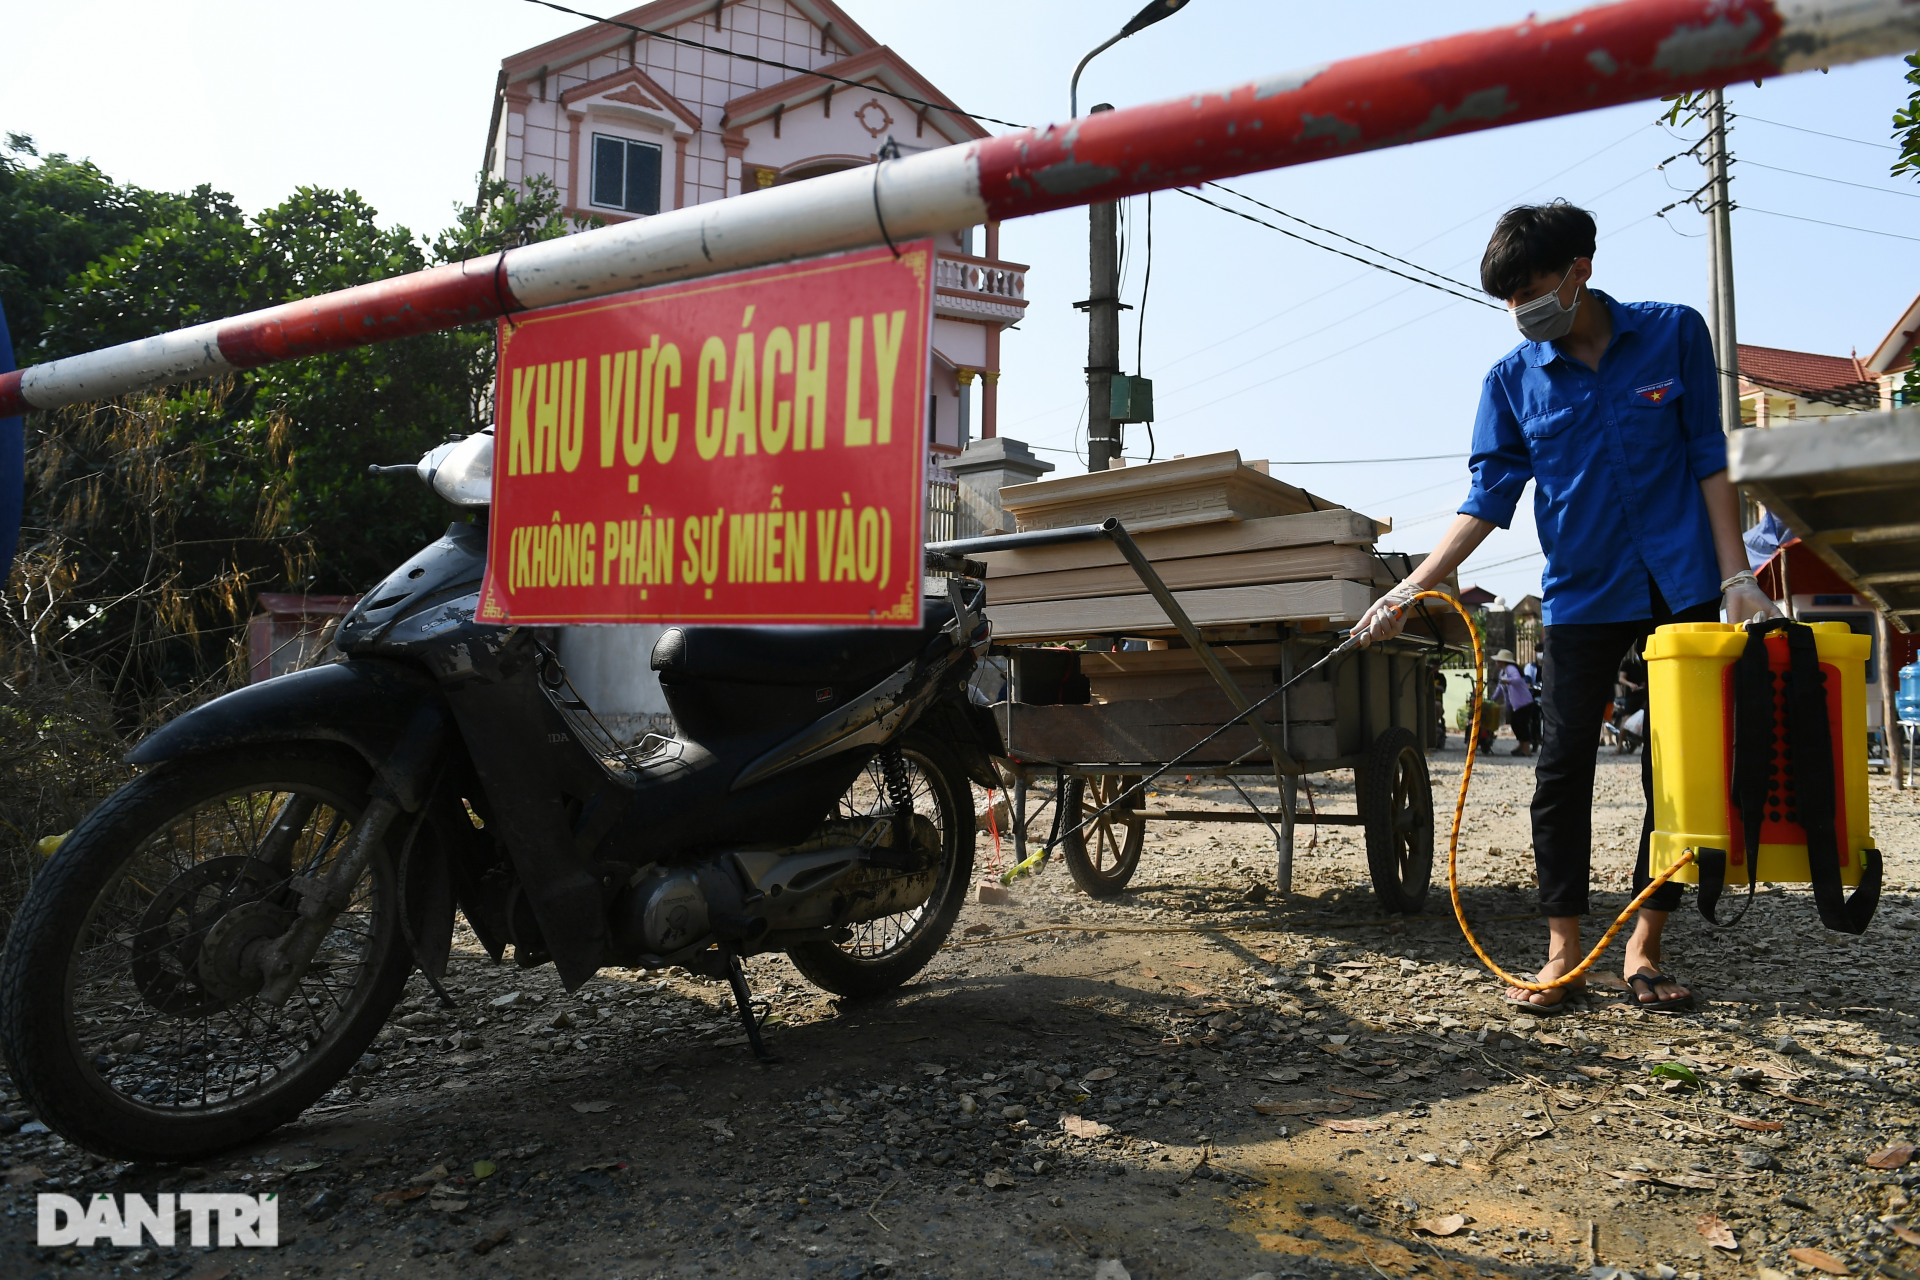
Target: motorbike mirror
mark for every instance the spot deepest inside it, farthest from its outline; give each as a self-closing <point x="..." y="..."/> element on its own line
<point x="461" y="471"/>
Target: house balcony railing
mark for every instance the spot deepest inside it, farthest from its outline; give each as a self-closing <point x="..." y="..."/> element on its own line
<point x="979" y="288"/>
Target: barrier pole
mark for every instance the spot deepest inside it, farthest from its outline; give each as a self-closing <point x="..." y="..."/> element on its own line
<point x="1601" y="56"/>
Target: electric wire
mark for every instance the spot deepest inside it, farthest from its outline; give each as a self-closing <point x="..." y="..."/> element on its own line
<point x="1291" y="217"/>
<point x="1343" y="284"/>
<point x="1324" y="462"/>
<point x="1482" y="568"/>
<point x="1140" y="328"/>
<point x="1349" y="462"/>
<point x="1261" y="222"/>
<point x="651" y="33"/>
<point x="1294" y="341"/>
<point x="1413" y="493"/>
<point x="1821" y="177"/>
<point x="1773" y="213"/>
<point x="1837" y="137"/>
<point x="1425" y="316"/>
<point x="1140" y="318"/>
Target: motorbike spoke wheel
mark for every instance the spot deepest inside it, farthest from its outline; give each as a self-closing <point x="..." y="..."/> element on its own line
<point x="873" y="956"/>
<point x="147" y="1036"/>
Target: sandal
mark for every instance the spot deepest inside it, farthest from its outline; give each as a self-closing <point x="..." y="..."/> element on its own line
<point x="1563" y="1005"/>
<point x="1652" y="982"/>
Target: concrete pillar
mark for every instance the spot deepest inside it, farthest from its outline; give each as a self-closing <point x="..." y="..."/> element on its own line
<point x="991" y="464"/>
<point x="990" y="387"/>
<point x="964" y="377"/>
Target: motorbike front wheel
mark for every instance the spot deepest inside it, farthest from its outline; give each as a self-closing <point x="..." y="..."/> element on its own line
<point x="884" y="953"/>
<point x="116" y="1018"/>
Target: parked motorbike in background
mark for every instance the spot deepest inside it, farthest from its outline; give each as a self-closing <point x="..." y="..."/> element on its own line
<point x="216" y="944"/>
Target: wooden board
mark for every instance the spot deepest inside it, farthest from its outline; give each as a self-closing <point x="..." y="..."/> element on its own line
<point x="1134" y="686"/>
<point x="1159" y="495"/>
<point x="1141" y="733"/>
<point x="1166" y="673"/>
<point x="1337" y="526"/>
<point x="1335" y="601"/>
<point x="1246" y="568"/>
<point x="1234" y="657"/>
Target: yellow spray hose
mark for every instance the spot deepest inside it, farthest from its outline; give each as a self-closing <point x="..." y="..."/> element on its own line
<point x="1027" y="866"/>
<point x="1453" y="839"/>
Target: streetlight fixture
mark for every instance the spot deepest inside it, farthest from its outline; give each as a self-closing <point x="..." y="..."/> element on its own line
<point x="1154" y="12"/>
<point x="1103" y="304"/>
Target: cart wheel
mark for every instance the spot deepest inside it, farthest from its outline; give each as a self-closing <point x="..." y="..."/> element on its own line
<point x="1396" y="803"/>
<point x="1104" y="856"/>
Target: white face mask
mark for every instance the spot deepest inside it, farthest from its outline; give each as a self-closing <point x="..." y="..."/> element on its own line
<point x="1544" y="319"/>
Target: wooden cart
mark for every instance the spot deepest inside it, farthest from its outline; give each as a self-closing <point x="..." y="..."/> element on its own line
<point x="1372" y="710"/>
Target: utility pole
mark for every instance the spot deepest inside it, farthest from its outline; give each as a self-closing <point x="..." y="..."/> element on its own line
<point x="1103" y="328"/>
<point x="1726" y="344"/>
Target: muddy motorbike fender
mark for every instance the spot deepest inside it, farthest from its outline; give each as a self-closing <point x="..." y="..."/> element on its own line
<point x="396" y="719"/>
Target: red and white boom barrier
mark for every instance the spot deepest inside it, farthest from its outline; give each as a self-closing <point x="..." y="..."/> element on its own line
<point x="1599" y="57"/>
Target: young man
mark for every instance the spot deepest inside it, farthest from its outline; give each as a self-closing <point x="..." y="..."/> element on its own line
<point x="1613" y="411"/>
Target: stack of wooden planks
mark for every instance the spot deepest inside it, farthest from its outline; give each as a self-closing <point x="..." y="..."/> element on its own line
<point x="1237" y="547"/>
<point x="1265" y="569"/>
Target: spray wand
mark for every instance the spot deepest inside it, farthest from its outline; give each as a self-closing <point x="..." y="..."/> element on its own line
<point x="1353" y="640"/>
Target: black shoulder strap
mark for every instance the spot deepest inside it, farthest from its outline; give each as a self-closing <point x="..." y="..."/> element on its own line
<point x="1713" y="880"/>
<point x="1753" y="755"/>
<point x="1810" y="751"/>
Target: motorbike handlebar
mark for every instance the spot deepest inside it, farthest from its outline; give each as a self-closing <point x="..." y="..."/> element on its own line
<point x="941" y="562"/>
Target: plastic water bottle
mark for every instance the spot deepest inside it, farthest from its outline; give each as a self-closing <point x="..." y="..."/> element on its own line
<point x="1907" y="701"/>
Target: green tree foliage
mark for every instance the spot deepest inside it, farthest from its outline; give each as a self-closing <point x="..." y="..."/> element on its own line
<point x="96" y="263"/>
<point x="153" y="521"/>
<point x="59" y="215"/>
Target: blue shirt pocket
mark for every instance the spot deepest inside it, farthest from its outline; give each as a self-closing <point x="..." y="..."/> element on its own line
<point x="1650" y="425"/>
<point x="1554" y="449"/>
<point x="1657" y="394"/>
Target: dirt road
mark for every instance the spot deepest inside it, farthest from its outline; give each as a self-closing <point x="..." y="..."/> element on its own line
<point x="1179" y="1082"/>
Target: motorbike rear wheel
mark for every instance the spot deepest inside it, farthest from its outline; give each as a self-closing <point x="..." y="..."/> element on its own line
<point x="117" y="1020"/>
<point x="882" y="954"/>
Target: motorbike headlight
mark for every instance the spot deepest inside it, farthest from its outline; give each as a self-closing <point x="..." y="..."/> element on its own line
<point x="462" y="471"/>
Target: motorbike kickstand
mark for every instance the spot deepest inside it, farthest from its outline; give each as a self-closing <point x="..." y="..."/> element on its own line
<point x="743" y="1000"/>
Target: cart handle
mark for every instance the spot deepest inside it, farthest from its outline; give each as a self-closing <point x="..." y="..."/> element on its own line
<point x="1024" y="541"/>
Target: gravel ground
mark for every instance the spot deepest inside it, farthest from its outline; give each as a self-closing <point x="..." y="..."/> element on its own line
<point x="1182" y="1081"/>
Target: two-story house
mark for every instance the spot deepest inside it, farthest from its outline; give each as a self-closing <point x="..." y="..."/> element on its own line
<point x="628" y="125"/>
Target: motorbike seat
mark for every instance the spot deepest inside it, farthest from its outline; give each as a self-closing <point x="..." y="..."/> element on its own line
<point x="813" y="656"/>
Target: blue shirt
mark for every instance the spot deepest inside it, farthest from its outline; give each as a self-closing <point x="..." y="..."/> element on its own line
<point x="1616" y="457"/>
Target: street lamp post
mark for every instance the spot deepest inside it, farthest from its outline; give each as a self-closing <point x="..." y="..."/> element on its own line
<point x="1103" y="304"/>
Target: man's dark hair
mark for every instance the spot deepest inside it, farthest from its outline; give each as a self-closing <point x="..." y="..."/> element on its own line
<point x="1532" y="238"/>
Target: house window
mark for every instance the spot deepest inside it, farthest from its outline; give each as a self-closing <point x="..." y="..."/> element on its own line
<point x="626" y="175"/>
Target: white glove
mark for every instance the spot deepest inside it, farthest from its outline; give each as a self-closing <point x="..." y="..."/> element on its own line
<point x="1745" y="600"/>
<point x="1385" y="618"/>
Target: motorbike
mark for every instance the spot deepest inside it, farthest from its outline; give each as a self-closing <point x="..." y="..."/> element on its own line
<point x="212" y="949"/>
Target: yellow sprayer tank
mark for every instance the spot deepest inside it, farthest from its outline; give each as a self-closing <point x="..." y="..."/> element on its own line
<point x="1690" y="700"/>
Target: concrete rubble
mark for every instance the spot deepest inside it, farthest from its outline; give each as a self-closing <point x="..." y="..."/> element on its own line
<point x="1097" y="1089"/>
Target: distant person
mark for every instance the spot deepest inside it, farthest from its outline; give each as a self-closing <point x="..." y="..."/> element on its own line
<point x="1612" y="410"/>
<point x="1630" y="701"/>
<point x="1514" y="693"/>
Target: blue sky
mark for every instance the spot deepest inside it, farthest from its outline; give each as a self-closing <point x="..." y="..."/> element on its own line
<point x="1255" y="341"/>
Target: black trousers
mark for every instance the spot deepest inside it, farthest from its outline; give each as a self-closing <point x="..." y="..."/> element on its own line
<point x="1580" y="663"/>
